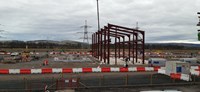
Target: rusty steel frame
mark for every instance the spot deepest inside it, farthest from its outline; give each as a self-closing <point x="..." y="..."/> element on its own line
<point x="101" y="43"/>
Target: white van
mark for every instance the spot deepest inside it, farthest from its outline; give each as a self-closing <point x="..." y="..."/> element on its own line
<point x="157" y="61"/>
<point x="191" y="61"/>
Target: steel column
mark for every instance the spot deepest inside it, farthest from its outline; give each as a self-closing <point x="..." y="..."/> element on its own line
<point x="133" y="51"/>
<point x="123" y="48"/>
<point x="143" y="52"/>
<point x="92" y="45"/>
<point x="101" y="55"/>
<point x="96" y="44"/>
<point x="116" y="48"/>
<point x="104" y="45"/>
<point x="119" y="48"/>
<point x="136" y="50"/>
<point x="108" y="62"/>
<point x="129" y="47"/>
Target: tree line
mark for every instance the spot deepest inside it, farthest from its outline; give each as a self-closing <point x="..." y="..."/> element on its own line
<point x="79" y="45"/>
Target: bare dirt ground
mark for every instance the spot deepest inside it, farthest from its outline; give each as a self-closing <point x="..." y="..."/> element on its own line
<point x="52" y="64"/>
<point x="58" y="64"/>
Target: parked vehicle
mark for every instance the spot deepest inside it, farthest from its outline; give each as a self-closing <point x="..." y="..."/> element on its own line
<point x="191" y="61"/>
<point x="14" y="54"/>
<point x="177" y="67"/>
<point x="157" y="62"/>
<point x="17" y="58"/>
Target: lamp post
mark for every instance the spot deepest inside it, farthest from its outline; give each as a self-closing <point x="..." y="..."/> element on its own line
<point x="98" y="28"/>
<point x="98" y="15"/>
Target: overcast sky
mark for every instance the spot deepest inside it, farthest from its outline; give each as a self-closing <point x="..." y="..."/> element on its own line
<point x="162" y="20"/>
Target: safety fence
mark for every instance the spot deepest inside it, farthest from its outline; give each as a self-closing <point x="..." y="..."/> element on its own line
<point x="194" y="70"/>
<point x="87" y="82"/>
<point x="77" y="70"/>
<point x="77" y="53"/>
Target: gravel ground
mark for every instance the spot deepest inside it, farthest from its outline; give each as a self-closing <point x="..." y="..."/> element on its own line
<point x="56" y="64"/>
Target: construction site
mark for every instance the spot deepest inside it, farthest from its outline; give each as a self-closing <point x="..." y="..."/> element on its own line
<point x="116" y="60"/>
<point x="124" y="67"/>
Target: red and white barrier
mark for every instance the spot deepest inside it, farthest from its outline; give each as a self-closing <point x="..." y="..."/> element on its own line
<point x="194" y="72"/>
<point x="77" y="70"/>
<point x="195" y="67"/>
<point x="180" y="76"/>
<point x="185" y="77"/>
<point x="161" y="71"/>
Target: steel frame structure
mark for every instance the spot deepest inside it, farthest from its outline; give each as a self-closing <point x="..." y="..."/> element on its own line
<point x="101" y="43"/>
<point x="198" y="24"/>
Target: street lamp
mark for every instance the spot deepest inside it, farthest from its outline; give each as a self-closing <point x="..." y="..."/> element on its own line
<point x="98" y="15"/>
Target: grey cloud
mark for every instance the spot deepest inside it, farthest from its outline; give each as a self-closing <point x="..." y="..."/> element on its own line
<point x="163" y="20"/>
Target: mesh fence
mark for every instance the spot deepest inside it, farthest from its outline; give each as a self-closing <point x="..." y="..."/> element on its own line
<point x="79" y="82"/>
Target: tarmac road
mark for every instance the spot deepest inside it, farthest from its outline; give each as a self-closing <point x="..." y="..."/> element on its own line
<point x="37" y="82"/>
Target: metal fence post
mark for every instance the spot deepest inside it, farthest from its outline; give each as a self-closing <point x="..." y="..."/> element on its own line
<point x="24" y="83"/>
<point x="101" y="79"/>
<point x="173" y="80"/>
<point x="194" y="79"/>
<point x="126" y="79"/>
<point x="52" y="80"/>
<point x="78" y="81"/>
<point x="151" y="79"/>
<point x="57" y="84"/>
<point x="30" y="86"/>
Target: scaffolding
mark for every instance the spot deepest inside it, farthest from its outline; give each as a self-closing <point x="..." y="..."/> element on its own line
<point x="125" y="39"/>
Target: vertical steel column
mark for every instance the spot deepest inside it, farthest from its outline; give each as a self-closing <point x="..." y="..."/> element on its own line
<point x="129" y="47"/>
<point x="133" y="51"/>
<point x="96" y="38"/>
<point x="115" y="47"/>
<point x="92" y="45"/>
<point x="108" y="45"/>
<point x="100" y="45"/>
<point x="104" y="45"/>
<point x="119" y="48"/>
<point x="136" y="50"/>
<point x="143" y="45"/>
<point x="123" y="48"/>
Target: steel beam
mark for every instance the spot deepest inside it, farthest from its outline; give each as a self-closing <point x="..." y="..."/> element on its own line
<point x="125" y="28"/>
